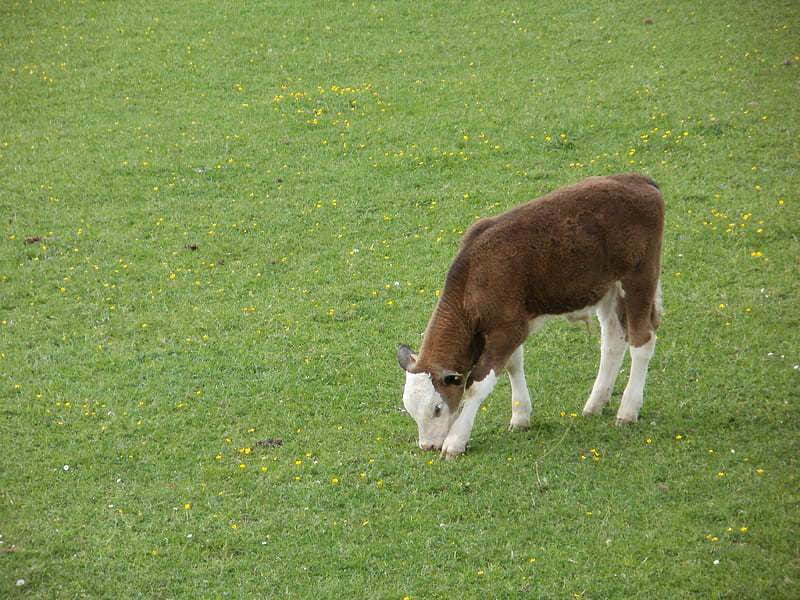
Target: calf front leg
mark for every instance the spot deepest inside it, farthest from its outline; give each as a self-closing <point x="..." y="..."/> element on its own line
<point x="456" y="441"/>
<point x="520" y="398"/>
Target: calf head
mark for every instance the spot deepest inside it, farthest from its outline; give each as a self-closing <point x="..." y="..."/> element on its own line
<point x="432" y="397"/>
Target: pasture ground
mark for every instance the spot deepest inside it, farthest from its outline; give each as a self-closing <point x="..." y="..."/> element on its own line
<point x="219" y="219"/>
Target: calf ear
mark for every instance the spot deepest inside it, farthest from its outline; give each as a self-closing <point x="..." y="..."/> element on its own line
<point x="452" y="378"/>
<point x="406" y="357"/>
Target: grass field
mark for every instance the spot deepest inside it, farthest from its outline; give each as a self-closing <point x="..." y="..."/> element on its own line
<point x="219" y="219"/>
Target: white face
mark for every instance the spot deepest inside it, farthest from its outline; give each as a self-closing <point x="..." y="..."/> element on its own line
<point x="429" y="410"/>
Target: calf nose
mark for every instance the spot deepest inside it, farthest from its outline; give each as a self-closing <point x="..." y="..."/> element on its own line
<point x="428" y="446"/>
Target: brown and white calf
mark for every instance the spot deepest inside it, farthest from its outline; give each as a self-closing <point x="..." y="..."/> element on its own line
<point x="591" y="247"/>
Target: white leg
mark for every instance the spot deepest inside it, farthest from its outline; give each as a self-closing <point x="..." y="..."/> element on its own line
<point x="520" y="398"/>
<point x="456" y="441"/>
<point x="612" y="351"/>
<point x="633" y="395"/>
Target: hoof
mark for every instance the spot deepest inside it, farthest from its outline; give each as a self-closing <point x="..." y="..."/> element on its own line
<point x="450" y="455"/>
<point x="451" y="451"/>
<point x="620" y="422"/>
<point x="594" y="408"/>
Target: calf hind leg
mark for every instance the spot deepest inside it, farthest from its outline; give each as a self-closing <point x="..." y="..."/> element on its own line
<point x="612" y="351"/>
<point x="642" y="313"/>
<point x="633" y="396"/>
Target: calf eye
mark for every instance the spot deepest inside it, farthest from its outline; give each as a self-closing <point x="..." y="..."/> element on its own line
<point x="437" y="411"/>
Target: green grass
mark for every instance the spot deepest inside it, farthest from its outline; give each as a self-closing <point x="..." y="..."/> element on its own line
<point x="220" y="218"/>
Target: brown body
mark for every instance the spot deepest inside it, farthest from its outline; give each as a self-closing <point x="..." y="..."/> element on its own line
<point x="559" y="254"/>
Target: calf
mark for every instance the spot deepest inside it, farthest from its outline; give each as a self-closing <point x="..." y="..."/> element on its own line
<point x="591" y="247"/>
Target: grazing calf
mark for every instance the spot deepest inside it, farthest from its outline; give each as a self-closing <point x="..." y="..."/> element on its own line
<point x="591" y="247"/>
